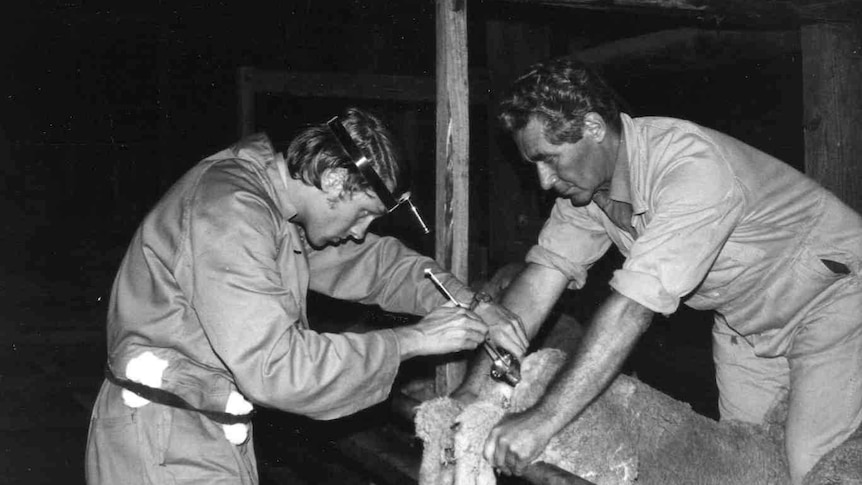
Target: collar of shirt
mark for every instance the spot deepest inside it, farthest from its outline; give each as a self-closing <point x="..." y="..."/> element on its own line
<point x="621" y="188"/>
<point x="281" y="186"/>
<point x="258" y="148"/>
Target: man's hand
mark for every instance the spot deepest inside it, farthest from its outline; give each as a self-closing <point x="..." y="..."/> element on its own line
<point x="504" y="328"/>
<point x="446" y="329"/>
<point x="517" y="440"/>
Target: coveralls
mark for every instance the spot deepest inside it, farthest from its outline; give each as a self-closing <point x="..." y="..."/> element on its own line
<point x="214" y="282"/>
<point x="722" y="226"/>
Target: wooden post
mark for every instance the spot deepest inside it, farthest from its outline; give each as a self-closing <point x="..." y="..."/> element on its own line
<point x="163" y="67"/>
<point x="514" y="220"/>
<point x="832" y="111"/>
<point x="453" y="137"/>
<point x="245" y="101"/>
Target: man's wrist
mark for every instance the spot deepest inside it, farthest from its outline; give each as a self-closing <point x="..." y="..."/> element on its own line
<point x="480" y="297"/>
<point x="407" y="342"/>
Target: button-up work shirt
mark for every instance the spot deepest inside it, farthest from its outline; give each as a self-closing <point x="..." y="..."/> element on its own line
<point x="718" y="225"/>
<point x="215" y="282"/>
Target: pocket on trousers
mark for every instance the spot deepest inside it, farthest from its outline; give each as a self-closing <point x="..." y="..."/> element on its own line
<point x="198" y="452"/>
<point x="114" y="453"/>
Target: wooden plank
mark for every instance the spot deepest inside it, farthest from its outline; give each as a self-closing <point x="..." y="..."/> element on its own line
<point x="386" y="452"/>
<point x="773" y="12"/>
<point x="342" y="85"/>
<point x="832" y="111"/>
<point x="452" y="145"/>
<point x="756" y="13"/>
<point x="251" y="80"/>
<point x="689" y="5"/>
<point x="17" y="383"/>
<point x="386" y="87"/>
<point x="245" y="87"/>
<point x="54" y="337"/>
<point x="679" y="49"/>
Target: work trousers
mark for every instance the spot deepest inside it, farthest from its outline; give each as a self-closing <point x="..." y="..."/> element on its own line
<point x="157" y="444"/>
<point x="820" y="377"/>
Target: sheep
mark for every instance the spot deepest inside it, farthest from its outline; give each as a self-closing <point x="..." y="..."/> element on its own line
<point x="631" y="434"/>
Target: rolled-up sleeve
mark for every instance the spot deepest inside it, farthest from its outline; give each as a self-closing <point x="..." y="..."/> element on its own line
<point x="570" y="242"/>
<point x="252" y="320"/>
<point x="695" y="206"/>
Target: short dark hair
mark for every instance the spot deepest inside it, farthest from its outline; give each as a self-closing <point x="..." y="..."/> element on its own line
<point x="559" y="91"/>
<point x="316" y="149"/>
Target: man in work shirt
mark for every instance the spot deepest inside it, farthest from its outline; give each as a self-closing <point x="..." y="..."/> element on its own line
<point x="701" y="218"/>
<point x="208" y="310"/>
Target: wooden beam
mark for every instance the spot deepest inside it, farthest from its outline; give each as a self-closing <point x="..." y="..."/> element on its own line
<point x="341" y="85"/>
<point x="245" y="90"/>
<point x="453" y="142"/>
<point x="773" y="12"/>
<point x="54" y="337"/>
<point x="386" y="452"/>
<point x="384" y="87"/>
<point x="687" y="5"/>
<point x="841" y="11"/>
<point x="677" y="49"/>
<point x="691" y="5"/>
<point x="832" y="110"/>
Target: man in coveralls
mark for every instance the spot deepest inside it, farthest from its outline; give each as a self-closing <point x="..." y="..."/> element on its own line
<point x="208" y="310"/>
<point x="702" y="219"/>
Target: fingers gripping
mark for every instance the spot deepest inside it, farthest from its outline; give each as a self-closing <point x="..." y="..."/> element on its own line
<point x="506" y="328"/>
<point x="513" y="444"/>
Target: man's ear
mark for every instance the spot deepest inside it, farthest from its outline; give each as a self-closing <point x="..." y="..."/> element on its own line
<point x="332" y="181"/>
<point x="594" y="126"/>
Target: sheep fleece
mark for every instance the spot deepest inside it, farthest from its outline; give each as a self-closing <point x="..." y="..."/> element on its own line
<point x="631" y="434"/>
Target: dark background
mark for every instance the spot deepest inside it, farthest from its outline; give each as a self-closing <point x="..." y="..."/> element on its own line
<point x="105" y="104"/>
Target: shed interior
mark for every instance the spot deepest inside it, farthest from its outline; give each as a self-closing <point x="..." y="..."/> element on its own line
<point x="108" y="103"/>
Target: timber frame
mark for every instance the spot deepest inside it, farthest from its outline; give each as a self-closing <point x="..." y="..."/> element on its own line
<point x="823" y="32"/>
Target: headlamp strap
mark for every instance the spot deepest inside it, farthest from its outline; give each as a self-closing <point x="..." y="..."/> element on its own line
<point x="362" y="163"/>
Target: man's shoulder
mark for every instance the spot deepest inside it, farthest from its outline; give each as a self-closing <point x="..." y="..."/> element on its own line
<point x="256" y="148"/>
<point x="228" y="182"/>
<point x="663" y="139"/>
<point x="660" y="126"/>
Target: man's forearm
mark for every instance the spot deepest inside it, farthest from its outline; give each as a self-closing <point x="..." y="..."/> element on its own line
<point x="612" y="334"/>
<point x="533" y="294"/>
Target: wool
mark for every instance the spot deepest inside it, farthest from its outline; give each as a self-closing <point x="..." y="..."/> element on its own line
<point x="434" y="421"/>
<point x="843" y="465"/>
<point x="631" y="434"/>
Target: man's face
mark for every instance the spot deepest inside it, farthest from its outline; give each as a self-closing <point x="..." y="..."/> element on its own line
<point x="336" y="219"/>
<point x="574" y="171"/>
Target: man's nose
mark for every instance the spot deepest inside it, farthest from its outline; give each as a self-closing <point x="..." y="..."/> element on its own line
<point x="359" y="229"/>
<point x="547" y="176"/>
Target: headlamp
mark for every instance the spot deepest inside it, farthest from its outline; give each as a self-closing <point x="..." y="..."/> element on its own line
<point x="363" y="166"/>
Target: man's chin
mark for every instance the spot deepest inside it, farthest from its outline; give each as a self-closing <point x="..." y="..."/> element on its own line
<point x="579" y="201"/>
<point x="328" y="243"/>
<point x="319" y="243"/>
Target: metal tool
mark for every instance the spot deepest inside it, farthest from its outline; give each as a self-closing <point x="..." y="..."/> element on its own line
<point x="504" y="366"/>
